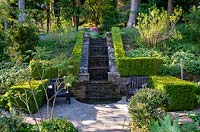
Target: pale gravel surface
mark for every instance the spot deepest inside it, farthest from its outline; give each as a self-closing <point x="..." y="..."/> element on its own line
<point x="92" y="118"/>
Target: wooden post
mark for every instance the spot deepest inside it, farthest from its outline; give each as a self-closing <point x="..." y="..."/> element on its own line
<point x="181" y="66"/>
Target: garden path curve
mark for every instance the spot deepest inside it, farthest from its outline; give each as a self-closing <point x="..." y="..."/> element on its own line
<point x="92" y="118"/>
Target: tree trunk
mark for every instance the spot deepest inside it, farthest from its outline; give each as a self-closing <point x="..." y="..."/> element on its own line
<point x="48" y="16"/>
<point x="170" y="7"/>
<point x="75" y="21"/>
<point x="21" y="5"/>
<point x="6" y="22"/>
<point x="132" y="15"/>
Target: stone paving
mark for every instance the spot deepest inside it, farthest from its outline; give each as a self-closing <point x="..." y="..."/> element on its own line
<point x="92" y="118"/>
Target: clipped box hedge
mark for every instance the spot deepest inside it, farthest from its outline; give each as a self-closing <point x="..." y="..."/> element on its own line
<point x="118" y="44"/>
<point x="139" y="66"/>
<point x="23" y="92"/>
<point x="181" y="93"/>
<point x="133" y="66"/>
<point x="77" y="53"/>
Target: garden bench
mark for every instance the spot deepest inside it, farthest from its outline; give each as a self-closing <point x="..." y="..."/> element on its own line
<point x="56" y="88"/>
<point x="135" y="83"/>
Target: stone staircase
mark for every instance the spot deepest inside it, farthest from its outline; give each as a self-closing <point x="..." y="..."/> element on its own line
<point x="98" y="60"/>
<point x="98" y="89"/>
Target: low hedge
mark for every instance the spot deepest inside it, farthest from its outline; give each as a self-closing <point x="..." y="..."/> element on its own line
<point x="77" y="53"/>
<point x="139" y="66"/>
<point x="133" y="66"/>
<point x="118" y="44"/>
<point x="25" y="92"/>
<point x="181" y="93"/>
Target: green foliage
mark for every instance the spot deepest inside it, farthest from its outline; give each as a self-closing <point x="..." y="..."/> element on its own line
<point x="101" y="12"/>
<point x="23" y="95"/>
<point x="181" y="93"/>
<point x="146" y="105"/>
<point x="191" y="63"/>
<point x="14" y="123"/>
<point x="43" y="70"/>
<point x="154" y="27"/>
<point x="9" y="73"/>
<point x="139" y="66"/>
<point x="133" y="66"/>
<point x="23" y="39"/>
<point x="129" y="36"/>
<point x="57" y="125"/>
<point x="4" y="101"/>
<point x="189" y="127"/>
<point x="59" y="66"/>
<point x="52" y="45"/>
<point x="143" y="52"/>
<point x="191" y="29"/>
<point x="165" y="124"/>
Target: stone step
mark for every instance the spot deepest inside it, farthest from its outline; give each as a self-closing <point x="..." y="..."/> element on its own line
<point x="98" y="41"/>
<point x="98" y="46"/>
<point x="100" y="90"/>
<point x="98" y="52"/>
<point x="100" y="74"/>
<point x="98" y="62"/>
<point x="99" y="68"/>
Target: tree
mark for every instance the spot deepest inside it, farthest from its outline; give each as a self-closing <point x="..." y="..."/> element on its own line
<point x="21" y="5"/>
<point x="133" y="12"/>
<point x="99" y="11"/>
<point x="71" y="9"/>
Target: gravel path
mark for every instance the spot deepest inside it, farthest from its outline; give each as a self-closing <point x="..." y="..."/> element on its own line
<point x="92" y="118"/>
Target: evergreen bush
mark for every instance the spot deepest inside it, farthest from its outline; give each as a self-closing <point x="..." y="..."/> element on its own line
<point x="181" y="93"/>
<point x="57" y="125"/>
<point x="139" y="66"/>
<point x="24" y="93"/>
<point x="147" y="104"/>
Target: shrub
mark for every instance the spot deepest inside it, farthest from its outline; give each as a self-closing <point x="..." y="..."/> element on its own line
<point x="14" y="124"/>
<point x="4" y="101"/>
<point x="189" y="127"/>
<point x="165" y="124"/>
<point x="22" y="38"/>
<point x="139" y="66"/>
<point x="38" y="69"/>
<point x="154" y="27"/>
<point x="22" y="95"/>
<point x="191" y="29"/>
<point x="54" y="44"/>
<point x="57" y="125"/>
<point x="146" y="105"/>
<point x="129" y="36"/>
<point x="43" y="69"/>
<point x="9" y="74"/>
<point x="181" y="93"/>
